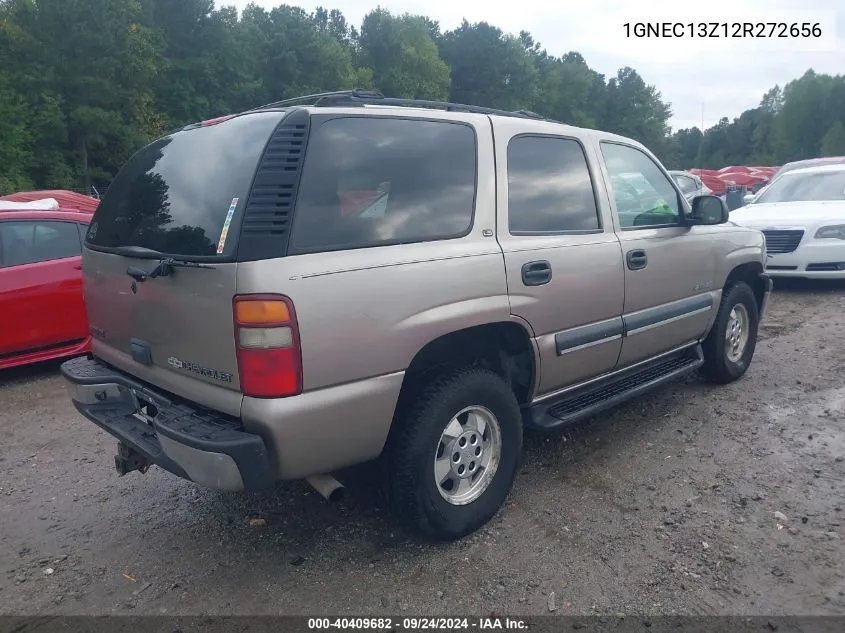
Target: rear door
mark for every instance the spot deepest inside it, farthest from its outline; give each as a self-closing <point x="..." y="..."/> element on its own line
<point x="183" y="196"/>
<point x="562" y="257"/>
<point x="40" y="285"/>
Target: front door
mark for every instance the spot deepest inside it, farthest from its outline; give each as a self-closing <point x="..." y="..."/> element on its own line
<point x="670" y="267"/>
<point x="563" y="261"/>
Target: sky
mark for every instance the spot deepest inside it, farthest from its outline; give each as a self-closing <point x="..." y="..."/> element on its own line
<point x="703" y="79"/>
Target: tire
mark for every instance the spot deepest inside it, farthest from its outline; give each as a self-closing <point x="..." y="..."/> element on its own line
<point x="723" y="362"/>
<point x="418" y="440"/>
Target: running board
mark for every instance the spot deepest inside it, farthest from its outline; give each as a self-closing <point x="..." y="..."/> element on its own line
<point x="606" y="394"/>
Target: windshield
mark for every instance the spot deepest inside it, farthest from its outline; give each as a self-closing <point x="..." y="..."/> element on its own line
<point x="183" y="194"/>
<point x="803" y="164"/>
<point x="810" y="187"/>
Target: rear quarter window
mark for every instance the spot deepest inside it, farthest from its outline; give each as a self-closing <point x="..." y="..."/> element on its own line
<point x="371" y="181"/>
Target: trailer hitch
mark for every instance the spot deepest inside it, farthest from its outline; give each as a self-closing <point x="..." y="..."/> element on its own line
<point x="128" y="460"/>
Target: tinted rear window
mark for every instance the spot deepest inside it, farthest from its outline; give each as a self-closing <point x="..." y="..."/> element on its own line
<point x="372" y="181"/>
<point x="175" y="195"/>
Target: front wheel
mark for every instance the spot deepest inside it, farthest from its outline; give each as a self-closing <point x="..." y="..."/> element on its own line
<point x="455" y="453"/>
<point x="729" y="347"/>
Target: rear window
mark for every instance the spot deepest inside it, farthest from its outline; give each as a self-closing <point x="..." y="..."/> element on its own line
<point x="183" y="194"/>
<point x="371" y="181"/>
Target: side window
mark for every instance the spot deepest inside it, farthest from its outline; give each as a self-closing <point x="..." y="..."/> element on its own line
<point x="549" y="187"/>
<point x="371" y="181"/>
<point x="644" y="195"/>
<point x="29" y="242"/>
<point x="686" y="184"/>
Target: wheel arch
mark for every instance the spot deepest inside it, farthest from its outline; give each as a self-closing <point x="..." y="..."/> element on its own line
<point x="748" y="272"/>
<point x="505" y="347"/>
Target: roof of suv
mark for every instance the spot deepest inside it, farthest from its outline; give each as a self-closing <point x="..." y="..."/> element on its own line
<point x="351" y="102"/>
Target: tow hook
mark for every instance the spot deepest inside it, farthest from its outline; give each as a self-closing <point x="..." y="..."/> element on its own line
<point x="128" y="460"/>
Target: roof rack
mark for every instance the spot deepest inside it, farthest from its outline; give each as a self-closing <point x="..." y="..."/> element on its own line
<point x="357" y="97"/>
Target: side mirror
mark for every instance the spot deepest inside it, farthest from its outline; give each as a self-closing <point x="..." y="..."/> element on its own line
<point x="709" y="210"/>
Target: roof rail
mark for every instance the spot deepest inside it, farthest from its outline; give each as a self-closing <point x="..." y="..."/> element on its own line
<point x="373" y="97"/>
<point x="316" y="98"/>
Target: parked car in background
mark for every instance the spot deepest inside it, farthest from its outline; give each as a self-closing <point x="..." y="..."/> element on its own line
<point x="802" y="215"/>
<point x="67" y="200"/>
<point x="789" y="167"/>
<point x="42" y="312"/>
<point x="690" y="184"/>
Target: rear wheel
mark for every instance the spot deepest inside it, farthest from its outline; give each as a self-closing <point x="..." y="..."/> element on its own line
<point x="729" y="347"/>
<point x="455" y="453"/>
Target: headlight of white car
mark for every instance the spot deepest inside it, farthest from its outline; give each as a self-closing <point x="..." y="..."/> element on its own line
<point x="836" y="232"/>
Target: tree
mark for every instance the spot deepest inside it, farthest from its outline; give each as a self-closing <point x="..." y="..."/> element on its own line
<point x="84" y="83"/>
<point x="15" y="149"/>
<point x="833" y="143"/>
<point x="489" y="68"/>
<point x="403" y="56"/>
<point x="636" y="109"/>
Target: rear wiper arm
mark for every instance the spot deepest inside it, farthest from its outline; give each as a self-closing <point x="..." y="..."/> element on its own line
<point x="165" y="264"/>
<point x="139" y="252"/>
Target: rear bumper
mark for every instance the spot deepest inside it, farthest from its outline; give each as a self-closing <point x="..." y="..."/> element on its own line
<point x="205" y="447"/>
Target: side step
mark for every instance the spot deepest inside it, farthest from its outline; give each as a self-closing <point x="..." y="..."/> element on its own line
<point x="612" y="391"/>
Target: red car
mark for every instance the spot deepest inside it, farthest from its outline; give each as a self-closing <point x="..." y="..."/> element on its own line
<point x="42" y="312"/>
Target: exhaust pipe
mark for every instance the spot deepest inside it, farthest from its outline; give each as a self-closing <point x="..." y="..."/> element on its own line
<point x="328" y="487"/>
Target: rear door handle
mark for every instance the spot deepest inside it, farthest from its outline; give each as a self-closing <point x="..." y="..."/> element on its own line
<point x="536" y="273"/>
<point x="637" y="260"/>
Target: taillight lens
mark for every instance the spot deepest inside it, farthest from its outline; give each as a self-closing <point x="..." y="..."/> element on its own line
<point x="267" y="340"/>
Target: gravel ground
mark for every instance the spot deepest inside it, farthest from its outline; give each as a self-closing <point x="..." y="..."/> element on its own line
<point x="665" y="506"/>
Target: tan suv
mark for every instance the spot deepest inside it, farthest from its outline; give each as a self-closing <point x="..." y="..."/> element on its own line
<point x="326" y="281"/>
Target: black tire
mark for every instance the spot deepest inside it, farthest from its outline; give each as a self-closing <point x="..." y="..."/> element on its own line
<point x="718" y="367"/>
<point x="415" y="495"/>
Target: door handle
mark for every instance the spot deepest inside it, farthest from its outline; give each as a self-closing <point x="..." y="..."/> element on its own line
<point x="536" y="273"/>
<point x="637" y="260"/>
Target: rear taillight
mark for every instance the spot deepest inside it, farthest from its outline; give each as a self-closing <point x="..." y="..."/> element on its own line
<point x="267" y="341"/>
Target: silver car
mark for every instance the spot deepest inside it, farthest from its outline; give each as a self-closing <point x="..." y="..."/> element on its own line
<point x="690" y="184"/>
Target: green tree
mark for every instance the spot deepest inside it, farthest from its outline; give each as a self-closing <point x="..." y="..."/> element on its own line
<point x="804" y="118"/>
<point x="833" y="142"/>
<point x="636" y="109"/>
<point x="15" y="149"/>
<point x="403" y="56"/>
<point x="489" y="68"/>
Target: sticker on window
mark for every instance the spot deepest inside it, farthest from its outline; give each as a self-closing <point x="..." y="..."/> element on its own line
<point x="225" y="231"/>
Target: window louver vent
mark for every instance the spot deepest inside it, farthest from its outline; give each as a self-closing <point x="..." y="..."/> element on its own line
<point x="271" y="202"/>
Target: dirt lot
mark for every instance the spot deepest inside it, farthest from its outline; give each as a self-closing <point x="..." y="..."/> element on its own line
<point x="665" y="506"/>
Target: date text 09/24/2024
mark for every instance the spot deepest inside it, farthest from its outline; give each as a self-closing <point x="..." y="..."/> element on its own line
<point x="754" y="30"/>
<point x="416" y="624"/>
